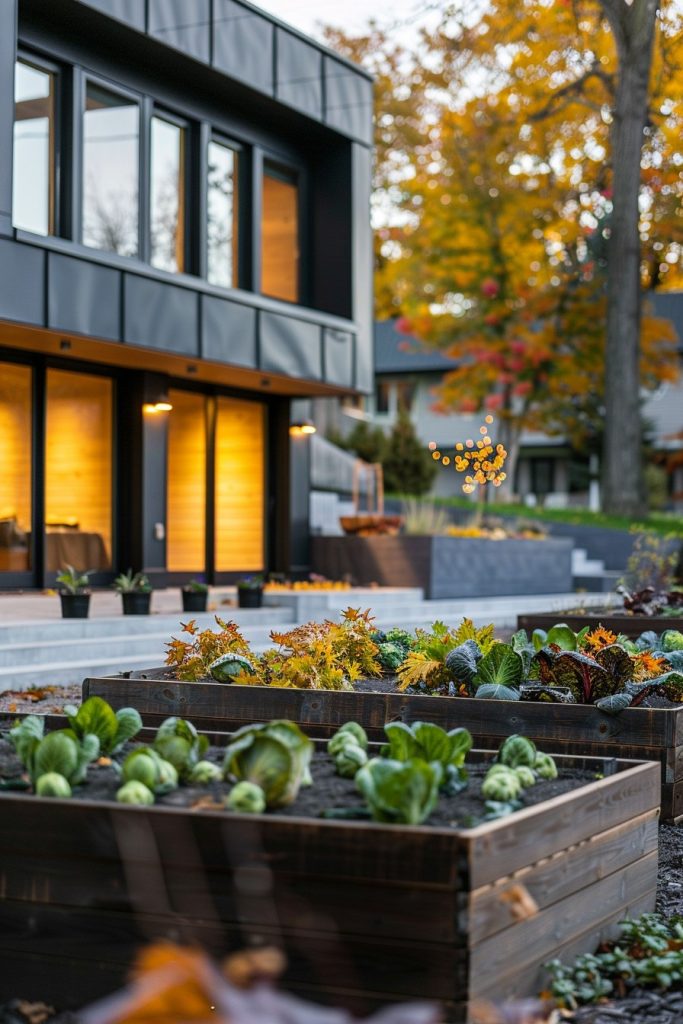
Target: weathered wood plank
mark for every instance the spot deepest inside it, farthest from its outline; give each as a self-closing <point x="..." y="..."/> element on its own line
<point x="561" y="822"/>
<point x="497" y="961"/>
<point x="367" y="963"/>
<point x="630" y="625"/>
<point x="493" y="908"/>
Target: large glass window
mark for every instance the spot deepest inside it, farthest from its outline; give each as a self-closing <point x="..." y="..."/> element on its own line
<point x="33" y="190"/>
<point x="280" y="234"/>
<point x="111" y="134"/>
<point x="78" y="471"/>
<point x="167" y="195"/>
<point x="15" y="467"/>
<point x="186" y="493"/>
<point x="240" y="485"/>
<point x="222" y="215"/>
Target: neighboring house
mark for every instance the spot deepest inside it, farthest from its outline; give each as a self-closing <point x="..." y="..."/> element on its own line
<point x="548" y="470"/>
<point x="184" y="249"/>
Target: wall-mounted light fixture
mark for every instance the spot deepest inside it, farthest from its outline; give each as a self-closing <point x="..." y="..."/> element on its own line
<point x="155" y="407"/>
<point x="155" y="397"/>
<point x="302" y="428"/>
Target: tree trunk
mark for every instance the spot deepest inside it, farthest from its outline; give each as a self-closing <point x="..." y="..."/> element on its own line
<point x="633" y="26"/>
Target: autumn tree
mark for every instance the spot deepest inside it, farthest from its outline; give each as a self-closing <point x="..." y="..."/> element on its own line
<point x="497" y="158"/>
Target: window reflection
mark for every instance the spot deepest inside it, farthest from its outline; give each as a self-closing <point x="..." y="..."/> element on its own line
<point x="15" y="468"/>
<point x="110" y="172"/>
<point x="222" y="215"/>
<point x="167" y="196"/>
<point x="33" y="198"/>
<point x="280" y="235"/>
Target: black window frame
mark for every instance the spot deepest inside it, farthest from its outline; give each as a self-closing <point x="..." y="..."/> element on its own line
<point x="25" y="55"/>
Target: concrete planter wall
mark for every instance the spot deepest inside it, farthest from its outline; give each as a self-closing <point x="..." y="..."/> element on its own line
<point x="448" y="566"/>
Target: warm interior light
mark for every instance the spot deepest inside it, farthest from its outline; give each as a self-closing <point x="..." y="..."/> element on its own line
<point x="308" y="428"/>
<point x="155" y="407"/>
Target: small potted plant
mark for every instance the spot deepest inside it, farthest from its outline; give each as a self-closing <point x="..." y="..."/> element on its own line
<point x="74" y="593"/>
<point x="136" y="592"/>
<point x="195" y="595"/>
<point x="250" y="592"/>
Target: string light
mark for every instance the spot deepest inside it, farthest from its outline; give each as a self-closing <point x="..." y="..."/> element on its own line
<point x="483" y="462"/>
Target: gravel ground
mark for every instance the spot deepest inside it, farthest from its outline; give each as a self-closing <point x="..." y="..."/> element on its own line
<point x="45" y="700"/>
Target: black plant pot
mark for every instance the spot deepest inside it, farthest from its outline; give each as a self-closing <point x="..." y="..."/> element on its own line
<point x="136" y="603"/>
<point x="194" y="600"/>
<point x="249" y="597"/>
<point x="75" y="606"/>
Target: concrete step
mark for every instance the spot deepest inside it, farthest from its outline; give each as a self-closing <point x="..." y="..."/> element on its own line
<point x="603" y="582"/>
<point x="136" y="625"/>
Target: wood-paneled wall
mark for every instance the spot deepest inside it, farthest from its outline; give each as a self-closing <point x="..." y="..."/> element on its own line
<point x="15" y="444"/>
<point x="240" y="485"/>
<point x="186" y="489"/>
<point x="78" y="462"/>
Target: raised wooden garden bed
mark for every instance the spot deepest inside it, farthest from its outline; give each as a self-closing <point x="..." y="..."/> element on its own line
<point x="630" y="625"/>
<point x="367" y="914"/>
<point x="651" y="734"/>
<point x="448" y="566"/>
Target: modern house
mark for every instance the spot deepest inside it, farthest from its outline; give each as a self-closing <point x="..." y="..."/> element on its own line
<point x="185" y="251"/>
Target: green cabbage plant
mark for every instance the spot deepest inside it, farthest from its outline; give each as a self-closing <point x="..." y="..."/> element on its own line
<point x="53" y="784"/>
<point x="502" y="785"/>
<point x="205" y="771"/>
<point x="517" y="750"/>
<point x="349" y="760"/>
<point x="98" y="718"/>
<point x="545" y="766"/>
<point x="400" y="792"/>
<point x="275" y="756"/>
<point x="428" y="742"/>
<point x="246" y="798"/>
<point x="146" y="765"/>
<point x="61" y="751"/>
<point x="357" y="731"/>
<point x="178" y="741"/>
<point x="134" y="792"/>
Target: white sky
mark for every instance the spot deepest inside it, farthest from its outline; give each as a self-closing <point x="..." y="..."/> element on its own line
<point x="351" y="15"/>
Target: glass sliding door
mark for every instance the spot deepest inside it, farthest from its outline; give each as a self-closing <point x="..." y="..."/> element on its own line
<point x="15" y="468"/>
<point x="186" y="488"/>
<point x="240" y="485"/>
<point x="78" y="471"/>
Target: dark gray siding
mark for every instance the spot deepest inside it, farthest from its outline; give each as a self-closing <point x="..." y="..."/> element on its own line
<point x="290" y="346"/>
<point x="348" y="100"/>
<point x="8" y="13"/>
<point x="22" y="283"/>
<point x="229" y="332"/>
<point x="159" y="315"/>
<point x="243" y="44"/>
<point x="186" y="26"/>
<point x="298" y="79"/>
<point x="132" y="12"/>
<point x="338" y="358"/>
<point x="83" y="297"/>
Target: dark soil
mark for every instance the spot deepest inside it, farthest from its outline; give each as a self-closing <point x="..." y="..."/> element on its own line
<point x="329" y="790"/>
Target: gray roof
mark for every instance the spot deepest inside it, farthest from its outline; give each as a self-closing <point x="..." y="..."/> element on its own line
<point x="391" y="357"/>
